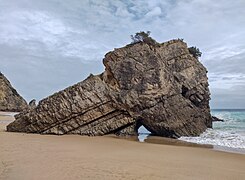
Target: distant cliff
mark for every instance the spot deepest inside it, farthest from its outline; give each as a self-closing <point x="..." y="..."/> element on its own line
<point x="10" y="100"/>
<point x="162" y="87"/>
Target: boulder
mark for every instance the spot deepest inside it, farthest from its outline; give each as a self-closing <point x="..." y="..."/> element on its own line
<point x="10" y="100"/>
<point x="162" y="87"/>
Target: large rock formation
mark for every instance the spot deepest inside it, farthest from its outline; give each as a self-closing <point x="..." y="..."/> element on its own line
<point x="10" y="100"/>
<point x="162" y="87"/>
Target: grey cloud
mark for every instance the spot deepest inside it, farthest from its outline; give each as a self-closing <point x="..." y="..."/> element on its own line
<point x="227" y="78"/>
<point x="230" y="98"/>
<point x="233" y="64"/>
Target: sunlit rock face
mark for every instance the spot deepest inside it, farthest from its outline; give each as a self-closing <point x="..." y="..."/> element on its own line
<point x="162" y="87"/>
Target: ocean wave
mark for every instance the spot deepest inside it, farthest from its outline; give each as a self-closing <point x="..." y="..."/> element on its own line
<point x="218" y="137"/>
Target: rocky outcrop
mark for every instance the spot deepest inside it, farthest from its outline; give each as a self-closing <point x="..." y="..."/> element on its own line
<point x="162" y="87"/>
<point x="215" y="119"/>
<point x="10" y="100"/>
<point x="85" y="108"/>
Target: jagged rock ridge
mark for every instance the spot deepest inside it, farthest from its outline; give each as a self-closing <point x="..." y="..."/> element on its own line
<point x="10" y="100"/>
<point x="162" y="87"/>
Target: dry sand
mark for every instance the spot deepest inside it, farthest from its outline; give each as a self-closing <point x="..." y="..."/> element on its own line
<point x="35" y="157"/>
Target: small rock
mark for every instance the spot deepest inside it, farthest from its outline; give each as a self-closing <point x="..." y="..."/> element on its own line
<point x="32" y="103"/>
<point x="215" y="119"/>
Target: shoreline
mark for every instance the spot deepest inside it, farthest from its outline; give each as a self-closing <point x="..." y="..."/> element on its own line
<point x="7" y="117"/>
<point x="176" y="142"/>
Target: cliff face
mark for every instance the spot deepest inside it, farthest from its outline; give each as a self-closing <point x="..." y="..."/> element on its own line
<point x="10" y="100"/>
<point x="162" y="87"/>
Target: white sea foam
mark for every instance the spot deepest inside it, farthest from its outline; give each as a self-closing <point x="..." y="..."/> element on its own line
<point x="220" y="138"/>
<point x="230" y="133"/>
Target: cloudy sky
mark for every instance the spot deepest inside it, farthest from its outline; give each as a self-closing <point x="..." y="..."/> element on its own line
<point x="47" y="45"/>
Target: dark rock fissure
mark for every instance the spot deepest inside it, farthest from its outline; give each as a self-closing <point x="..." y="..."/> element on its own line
<point x="75" y="116"/>
<point x="119" y="130"/>
<point x="184" y="90"/>
<point x="104" y="118"/>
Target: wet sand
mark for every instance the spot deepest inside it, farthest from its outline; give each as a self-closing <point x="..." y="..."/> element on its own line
<point x="33" y="156"/>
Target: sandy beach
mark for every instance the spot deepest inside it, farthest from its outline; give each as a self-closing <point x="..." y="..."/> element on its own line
<point x="33" y="156"/>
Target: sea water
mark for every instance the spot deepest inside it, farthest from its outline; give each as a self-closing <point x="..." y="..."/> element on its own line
<point x="227" y="134"/>
<point x="230" y="133"/>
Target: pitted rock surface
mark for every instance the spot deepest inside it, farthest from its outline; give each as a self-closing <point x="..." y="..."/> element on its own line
<point x="162" y="87"/>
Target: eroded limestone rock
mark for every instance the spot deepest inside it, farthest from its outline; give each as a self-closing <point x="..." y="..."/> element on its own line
<point x="162" y="87"/>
